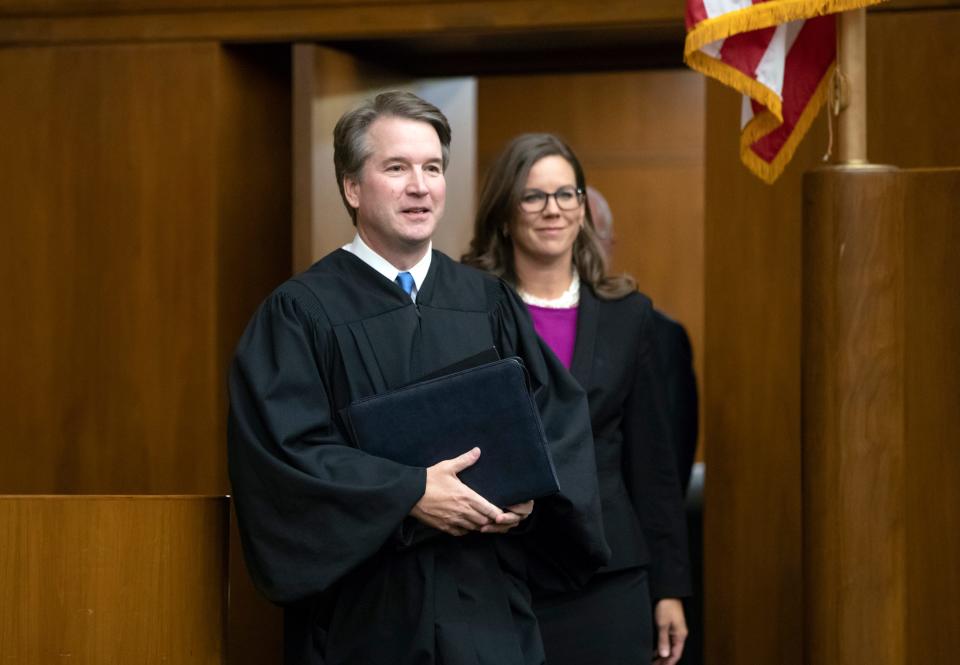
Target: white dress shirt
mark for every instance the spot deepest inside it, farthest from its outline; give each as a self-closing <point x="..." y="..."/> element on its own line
<point x="363" y="252"/>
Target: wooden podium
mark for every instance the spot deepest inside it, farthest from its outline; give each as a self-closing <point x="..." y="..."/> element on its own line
<point x="881" y="376"/>
<point x="103" y="580"/>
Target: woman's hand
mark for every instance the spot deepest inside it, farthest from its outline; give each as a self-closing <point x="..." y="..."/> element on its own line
<point x="671" y="631"/>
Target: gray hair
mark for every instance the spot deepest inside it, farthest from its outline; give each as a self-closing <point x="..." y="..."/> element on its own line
<point x="602" y="219"/>
<point x="351" y="148"/>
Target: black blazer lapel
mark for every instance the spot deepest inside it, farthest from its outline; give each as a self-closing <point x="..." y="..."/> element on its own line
<point x="588" y="318"/>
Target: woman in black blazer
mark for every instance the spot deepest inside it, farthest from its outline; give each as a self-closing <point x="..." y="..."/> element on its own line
<point x="534" y="229"/>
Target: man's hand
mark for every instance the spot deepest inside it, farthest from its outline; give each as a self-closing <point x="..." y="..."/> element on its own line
<point x="511" y="517"/>
<point x="452" y="507"/>
<point x="671" y="631"/>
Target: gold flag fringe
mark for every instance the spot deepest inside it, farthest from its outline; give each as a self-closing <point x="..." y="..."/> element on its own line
<point x="765" y="122"/>
<point x="734" y="78"/>
<point x="757" y="17"/>
<point x="764" y="15"/>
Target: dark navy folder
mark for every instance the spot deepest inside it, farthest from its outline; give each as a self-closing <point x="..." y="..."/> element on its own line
<point x="439" y="418"/>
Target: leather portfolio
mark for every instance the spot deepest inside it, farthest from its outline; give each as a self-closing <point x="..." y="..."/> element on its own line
<point x="488" y="406"/>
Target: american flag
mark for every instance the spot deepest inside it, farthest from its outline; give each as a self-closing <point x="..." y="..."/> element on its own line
<point x="780" y="54"/>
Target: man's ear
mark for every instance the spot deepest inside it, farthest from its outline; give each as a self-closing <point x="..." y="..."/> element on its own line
<point x="351" y="190"/>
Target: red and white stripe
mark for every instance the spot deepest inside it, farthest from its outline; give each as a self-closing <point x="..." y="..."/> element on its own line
<point x="779" y="54"/>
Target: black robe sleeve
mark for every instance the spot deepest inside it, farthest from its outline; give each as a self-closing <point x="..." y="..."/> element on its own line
<point x="565" y="543"/>
<point x="310" y="507"/>
<point x="650" y="474"/>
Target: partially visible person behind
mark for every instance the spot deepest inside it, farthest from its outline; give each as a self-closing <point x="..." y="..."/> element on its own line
<point x="534" y="230"/>
<point x="673" y="352"/>
<point x="376" y="562"/>
<point x="602" y="221"/>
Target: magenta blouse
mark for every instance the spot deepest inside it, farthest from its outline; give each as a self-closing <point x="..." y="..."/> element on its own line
<point x="558" y="328"/>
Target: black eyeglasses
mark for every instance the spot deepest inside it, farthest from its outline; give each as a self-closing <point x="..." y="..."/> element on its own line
<point x="567" y="198"/>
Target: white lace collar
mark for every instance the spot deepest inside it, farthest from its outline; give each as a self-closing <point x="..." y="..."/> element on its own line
<point x="569" y="298"/>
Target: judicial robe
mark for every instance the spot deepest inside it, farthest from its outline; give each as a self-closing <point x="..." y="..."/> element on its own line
<point x="325" y="526"/>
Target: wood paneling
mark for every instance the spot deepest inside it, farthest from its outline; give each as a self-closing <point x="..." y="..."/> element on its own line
<point x="145" y="193"/>
<point x="639" y="136"/>
<point x="915" y="5"/>
<point x="252" y="257"/>
<point x="108" y="183"/>
<point x="853" y="417"/>
<point x="914" y="88"/>
<point x="94" y="580"/>
<point x="290" y="21"/>
<point x="751" y="394"/>
<point x="254" y="191"/>
<point x="752" y="375"/>
<point x="56" y="7"/>
<point x="932" y="326"/>
<point x="143" y="220"/>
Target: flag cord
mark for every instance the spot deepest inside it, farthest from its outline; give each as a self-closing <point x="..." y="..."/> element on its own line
<point x="836" y="100"/>
<point x="829" y="153"/>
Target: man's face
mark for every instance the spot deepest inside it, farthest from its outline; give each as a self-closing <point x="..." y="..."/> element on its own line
<point x="400" y="193"/>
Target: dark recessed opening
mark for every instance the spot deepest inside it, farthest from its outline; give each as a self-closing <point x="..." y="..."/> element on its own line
<point x="544" y="51"/>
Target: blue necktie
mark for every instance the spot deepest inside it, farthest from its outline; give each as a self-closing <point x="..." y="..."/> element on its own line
<point x="405" y="280"/>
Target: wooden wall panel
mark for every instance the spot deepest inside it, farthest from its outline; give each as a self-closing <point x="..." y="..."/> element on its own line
<point x="751" y="390"/>
<point x="55" y="7"/>
<point x="96" y="580"/>
<point x="932" y="318"/>
<point x="253" y="253"/>
<point x="145" y="193"/>
<point x="752" y="324"/>
<point x="639" y="136"/>
<point x="337" y="20"/>
<point x="914" y="88"/>
<point x="61" y="21"/>
<point x="254" y="192"/>
<point x="146" y="206"/>
<point x="108" y="163"/>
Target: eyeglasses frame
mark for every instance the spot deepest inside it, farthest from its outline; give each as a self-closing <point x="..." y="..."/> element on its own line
<point x="581" y="198"/>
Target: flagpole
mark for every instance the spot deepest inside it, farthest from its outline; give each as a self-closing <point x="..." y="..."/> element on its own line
<point x="852" y="64"/>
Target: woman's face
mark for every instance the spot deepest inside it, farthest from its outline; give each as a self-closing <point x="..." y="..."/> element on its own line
<point x="548" y="235"/>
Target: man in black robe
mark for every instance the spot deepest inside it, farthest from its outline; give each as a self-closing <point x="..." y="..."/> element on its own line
<point x="374" y="561"/>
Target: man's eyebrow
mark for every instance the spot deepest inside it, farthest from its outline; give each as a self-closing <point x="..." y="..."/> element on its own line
<point x="407" y="160"/>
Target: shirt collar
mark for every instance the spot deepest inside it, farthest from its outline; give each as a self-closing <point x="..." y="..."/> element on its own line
<point x="569" y="298"/>
<point x="362" y="251"/>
